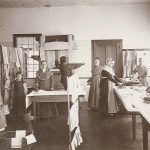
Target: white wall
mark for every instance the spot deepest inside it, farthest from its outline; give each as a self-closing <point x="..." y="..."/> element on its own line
<point x="130" y="23"/>
<point x="86" y="23"/>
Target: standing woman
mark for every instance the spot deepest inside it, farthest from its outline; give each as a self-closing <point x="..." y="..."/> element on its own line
<point x="94" y="93"/>
<point x="107" y="103"/>
<point x="44" y="81"/>
<point x="19" y="104"/>
<point x="44" y="77"/>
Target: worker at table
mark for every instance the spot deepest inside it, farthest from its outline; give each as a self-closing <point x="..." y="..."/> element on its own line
<point x="107" y="103"/>
<point x="142" y="72"/>
<point x="44" y="81"/>
<point x="66" y="69"/>
<point x="94" y="92"/>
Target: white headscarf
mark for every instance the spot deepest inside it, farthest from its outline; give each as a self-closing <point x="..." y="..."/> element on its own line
<point x="109" y="69"/>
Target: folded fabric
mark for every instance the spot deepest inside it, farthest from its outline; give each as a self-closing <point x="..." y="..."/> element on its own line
<point x="20" y="133"/>
<point x="30" y="139"/>
<point x="16" y="142"/>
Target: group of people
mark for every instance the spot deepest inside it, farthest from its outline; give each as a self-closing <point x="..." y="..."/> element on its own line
<point x="103" y="80"/>
<point x="44" y="81"/>
<point x="101" y="94"/>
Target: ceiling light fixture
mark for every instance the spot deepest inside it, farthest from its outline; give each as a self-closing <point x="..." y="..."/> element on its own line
<point x="47" y="5"/>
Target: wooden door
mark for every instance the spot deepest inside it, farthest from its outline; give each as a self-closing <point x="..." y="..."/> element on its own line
<point x="108" y="48"/>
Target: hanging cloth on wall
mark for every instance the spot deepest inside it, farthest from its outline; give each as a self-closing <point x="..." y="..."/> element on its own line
<point x="5" y="55"/>
<point x="2" y="115"/>
<point x="129" y="62"/>
<point x="5" y="61"/>
<point x="6" y="91"/>
<point x="19" y="56"/>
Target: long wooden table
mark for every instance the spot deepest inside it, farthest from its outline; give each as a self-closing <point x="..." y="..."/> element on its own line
<point x="48" y="97"/>
<point x="134" y="97"/>
<point x="122" y="95"/>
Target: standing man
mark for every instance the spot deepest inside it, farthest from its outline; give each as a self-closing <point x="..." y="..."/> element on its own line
<point x="142" y="72"/>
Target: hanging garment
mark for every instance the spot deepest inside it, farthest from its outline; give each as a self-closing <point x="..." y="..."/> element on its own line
<point x="19" y="52"/>
<point x="5" y="61"/>
<point x="74" y="87"/>
<point x="12" y="55"/>
<point x="5" y="55"/>
<point x="2" y="115"/>
<point x="77" y="139"/>
<point x="6" y="92"/>
<point x="74" y="116"/>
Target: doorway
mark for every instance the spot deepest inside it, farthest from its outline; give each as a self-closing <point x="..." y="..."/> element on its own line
<point x="108" y="49"/>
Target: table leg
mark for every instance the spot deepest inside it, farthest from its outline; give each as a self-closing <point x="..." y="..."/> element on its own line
<point x="34" y="112"/>
<point x="55" y="105"/>
<point x="145" y="134"/>
<point x="134" y="125"/>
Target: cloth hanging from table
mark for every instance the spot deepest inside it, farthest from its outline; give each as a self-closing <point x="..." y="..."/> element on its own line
<point x="74" y="87"/>
<point x="77" y="139"/>
<point x="74" y="116"/>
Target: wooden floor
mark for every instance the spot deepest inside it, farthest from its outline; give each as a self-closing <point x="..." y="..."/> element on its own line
<point x="111" y="133"/>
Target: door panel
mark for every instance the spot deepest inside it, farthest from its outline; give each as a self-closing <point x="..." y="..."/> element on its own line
<point x="108" y="48"/>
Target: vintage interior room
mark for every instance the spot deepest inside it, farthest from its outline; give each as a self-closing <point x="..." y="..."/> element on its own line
<point x="74" y="74"/>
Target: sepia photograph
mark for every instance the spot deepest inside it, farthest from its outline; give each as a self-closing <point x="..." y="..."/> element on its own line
<point x="74" y="74"/>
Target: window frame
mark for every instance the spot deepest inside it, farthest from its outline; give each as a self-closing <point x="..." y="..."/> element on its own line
<point x="37" y="38"/>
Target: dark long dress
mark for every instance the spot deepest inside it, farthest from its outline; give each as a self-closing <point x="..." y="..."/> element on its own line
<point x="107" y="103"/>
<point x="67" y="70"/>
<point x="19" y="104"/>
<point x="45" y="82"/>
<point x="44" y="79"/>
<point x="94" y="92"/>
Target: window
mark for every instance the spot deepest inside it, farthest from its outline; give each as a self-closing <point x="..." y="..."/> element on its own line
<point x="30" y="44"/>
